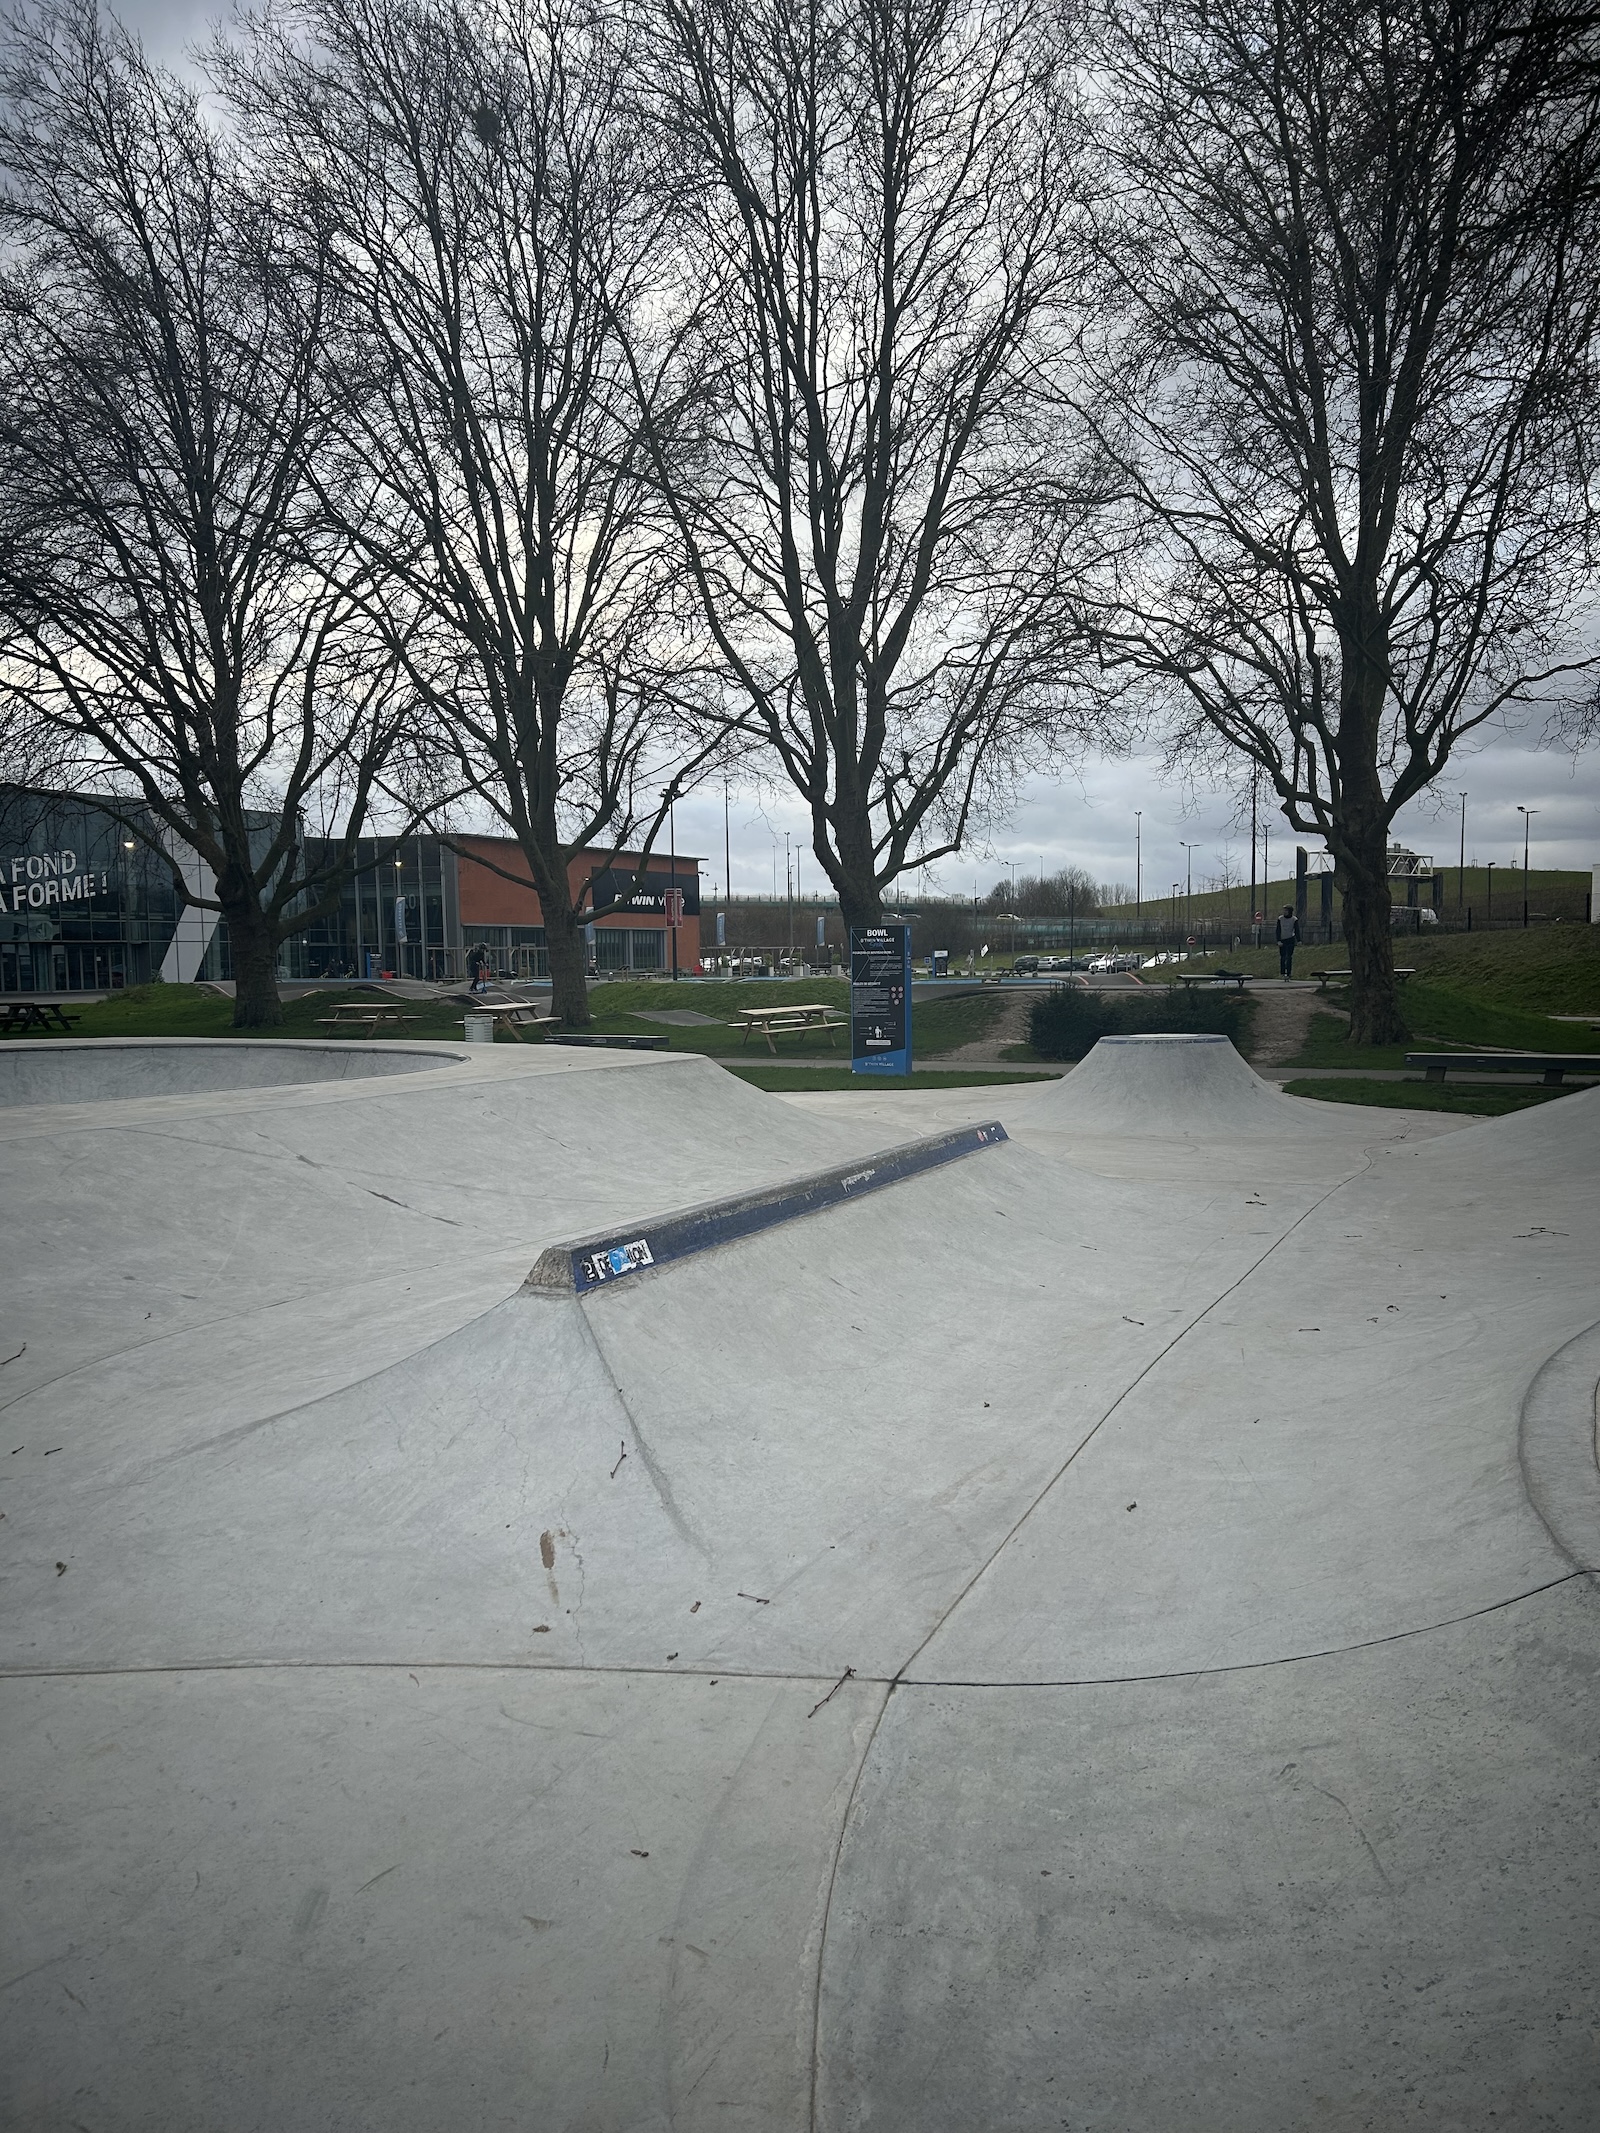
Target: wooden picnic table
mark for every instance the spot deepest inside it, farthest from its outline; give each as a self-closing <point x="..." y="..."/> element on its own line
<point x="354" y="1015"/>
<point x="517" y="1015"/>
<point x="781" y="1021"/>
<point x="18" y="1015"/>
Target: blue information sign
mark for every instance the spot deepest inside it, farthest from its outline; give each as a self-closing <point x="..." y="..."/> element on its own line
<point x="880" y="999"/>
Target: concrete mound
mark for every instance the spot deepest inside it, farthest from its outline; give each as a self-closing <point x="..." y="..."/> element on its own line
<point x="117" y="1069"/>
<point x="1167" y="1084"/>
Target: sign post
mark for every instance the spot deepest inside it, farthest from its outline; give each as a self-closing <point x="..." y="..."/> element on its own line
<point x="673" y="908"/>
<point x="880" y="999"/>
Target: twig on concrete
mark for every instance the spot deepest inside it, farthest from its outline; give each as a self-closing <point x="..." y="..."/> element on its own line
<point x="620" y="1457"/>
<point x="847" y="1675"/>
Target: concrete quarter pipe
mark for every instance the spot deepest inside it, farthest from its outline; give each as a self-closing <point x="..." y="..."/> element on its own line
<point x="1098" y="1632"/>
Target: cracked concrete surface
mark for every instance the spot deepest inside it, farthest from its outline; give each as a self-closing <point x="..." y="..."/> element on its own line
<point x="1099" y="1635"/>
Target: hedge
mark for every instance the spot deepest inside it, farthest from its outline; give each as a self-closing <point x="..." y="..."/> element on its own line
<point x="1067" y="1021"/>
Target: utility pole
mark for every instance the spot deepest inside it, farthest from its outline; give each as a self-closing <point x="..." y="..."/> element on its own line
<point x="1489" y="898"/>
<point x="1188" y="893"/>
<point x="1527" y="814"/>
<point x="1461" y="870"/>
<point x="672" y="924"/>
<point x="788" y="890"/>
<point x="727" y="853"/>
<point x="1254" y="907"/>
<point x="1138" y="863"/>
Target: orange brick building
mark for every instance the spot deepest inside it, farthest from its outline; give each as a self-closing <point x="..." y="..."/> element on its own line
<point x="629" y="927"/>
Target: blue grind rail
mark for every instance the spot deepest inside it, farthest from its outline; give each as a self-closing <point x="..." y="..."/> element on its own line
<point x="604" y="1262"/>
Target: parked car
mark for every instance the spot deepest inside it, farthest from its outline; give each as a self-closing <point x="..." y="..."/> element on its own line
<point x="1025" y="966"/>
<point x="1104" y="964"/>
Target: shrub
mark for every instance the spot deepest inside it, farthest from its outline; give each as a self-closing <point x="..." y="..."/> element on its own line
<point x="1065" y="1022"/>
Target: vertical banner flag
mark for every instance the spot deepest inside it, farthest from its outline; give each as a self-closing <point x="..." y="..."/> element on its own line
<point x="880" y="999"/>
<point x="722" y="929"/>
<point x="400" y="918"/>
<point x="822" y="931"/>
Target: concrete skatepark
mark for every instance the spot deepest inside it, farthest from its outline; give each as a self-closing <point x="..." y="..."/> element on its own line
<point x="1095" y="1632"/>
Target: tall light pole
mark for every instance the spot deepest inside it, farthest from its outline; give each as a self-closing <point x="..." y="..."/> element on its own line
<point x="1489" y="900"/>
<point x="1138" y="861"/>
<point x="1188" y="893"/>
<point x="1527" y="814"/>
<point x="1461" y="870"/>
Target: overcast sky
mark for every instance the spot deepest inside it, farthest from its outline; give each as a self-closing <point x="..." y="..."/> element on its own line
<point x="1087" y="820"/>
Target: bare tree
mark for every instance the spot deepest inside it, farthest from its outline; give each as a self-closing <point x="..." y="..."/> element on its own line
<point x="877" y="195"/>
<point x="173" y="617"/>
<point x="1352" y="275"/>
<point x="496" y="228"/>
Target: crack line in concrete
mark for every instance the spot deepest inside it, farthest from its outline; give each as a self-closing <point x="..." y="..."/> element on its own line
<point x="732" y="1673"/>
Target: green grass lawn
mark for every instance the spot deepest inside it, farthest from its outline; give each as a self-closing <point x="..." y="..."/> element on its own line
<point x="782" y="1080"/>
<point x="1423" y="1096"/>
<point x="187" y="1011"/>
<point x="938" y="1026"/>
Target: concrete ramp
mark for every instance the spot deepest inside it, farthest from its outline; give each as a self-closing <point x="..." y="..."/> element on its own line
<point x="988" y="1645"/>
<point x="1166" y="1085"/>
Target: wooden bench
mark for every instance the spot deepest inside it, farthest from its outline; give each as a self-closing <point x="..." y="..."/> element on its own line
<point x="18" y="1015"/>
<point x="786" y="1021"/>
<point x="1238" y="979"/>
<point x="1324" y="977"/>
<point x="607" y="1041"/>
<point x="1551" y="1067"/>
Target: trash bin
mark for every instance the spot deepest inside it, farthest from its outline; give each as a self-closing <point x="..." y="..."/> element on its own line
<point x="479" y="1028"/>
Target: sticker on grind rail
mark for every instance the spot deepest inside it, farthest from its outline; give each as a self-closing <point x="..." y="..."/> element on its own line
<point x="700" y="1229"/>
<point x="611" y="1262"/>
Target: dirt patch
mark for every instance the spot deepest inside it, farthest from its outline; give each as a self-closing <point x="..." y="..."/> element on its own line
<point x="1009" y="1027"/>
<point x="1283" y="1022"/>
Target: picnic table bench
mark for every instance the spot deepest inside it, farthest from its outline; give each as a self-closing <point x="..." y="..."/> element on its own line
<point x="353" y="1015"/>
<point x="517" y="1015"/>
<point x="782" y="1021"/>
<point x="1323" y="976"/>
<point x="1549" y="1066"/>
<point x="34" y="1014"/>
<point x="1238" y="979"/>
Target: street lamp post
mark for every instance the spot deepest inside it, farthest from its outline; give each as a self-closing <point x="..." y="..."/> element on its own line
<point x="1461" y="870"/>
<point x="1488" y="912"/>
<point x="1527" y="814"/>
<point x="1188" y="892"/>
<point x="1138" y="862"/>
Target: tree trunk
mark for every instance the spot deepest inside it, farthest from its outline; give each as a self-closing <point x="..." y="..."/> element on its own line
<point x="569" y="963"/>
<point x="254" y="954"/>
<point x="860" y="897"/>
<point x="1375" y="1016"/>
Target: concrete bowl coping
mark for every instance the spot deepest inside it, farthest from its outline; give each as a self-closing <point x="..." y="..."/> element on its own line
<point x="117" y="1069"/>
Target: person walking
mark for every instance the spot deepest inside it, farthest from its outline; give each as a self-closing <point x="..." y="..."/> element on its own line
<point x="1288" y="941"/>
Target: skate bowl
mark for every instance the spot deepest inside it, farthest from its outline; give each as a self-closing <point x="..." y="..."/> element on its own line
<point x="1008" y="1646"/>
<point x="118" y="1070"/>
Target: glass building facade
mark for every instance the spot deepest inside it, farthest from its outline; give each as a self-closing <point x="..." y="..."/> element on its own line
<point x="88" y="905"/>
<point x="85" y="904"/>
